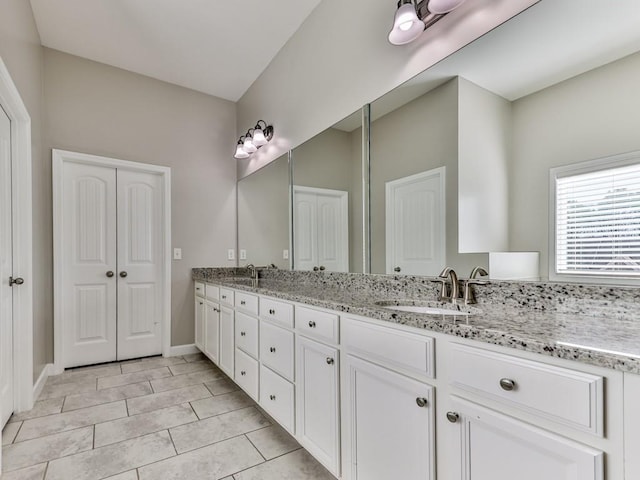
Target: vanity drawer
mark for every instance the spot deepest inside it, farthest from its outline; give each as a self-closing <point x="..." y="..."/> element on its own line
<point x="199" y="289"/>
<point x="226" y="296"/>
<point x="213" y="292"/>
<point x="247" y="302"/>
<point x="276" y="349"/>
<point x="389" y="346"/>
<point x="247" y="334"/>
<point x="566" y="396"/>
<point x="277" y="398"/>
<point x="318" y="324"/>
<point x="247" y="373"/>
<point x="278" y="312"/>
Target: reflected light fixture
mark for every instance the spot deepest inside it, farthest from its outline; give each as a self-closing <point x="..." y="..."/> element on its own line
<point x="255" y="138"/>
<point x="415" y="16"/>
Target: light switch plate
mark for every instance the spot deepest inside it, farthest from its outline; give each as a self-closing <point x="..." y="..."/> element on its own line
<point x="243" y="254"/>
<point x="177" y="254"/>
<point x="285" y="254"/>
<point x="231" y="254"/>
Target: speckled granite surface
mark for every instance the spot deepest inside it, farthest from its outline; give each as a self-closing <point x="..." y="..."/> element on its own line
<point x="591" y="324"/>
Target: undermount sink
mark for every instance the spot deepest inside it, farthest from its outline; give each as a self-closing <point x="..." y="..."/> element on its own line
<point x="424" y="308"/>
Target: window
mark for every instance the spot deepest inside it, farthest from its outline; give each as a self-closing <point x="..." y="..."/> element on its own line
<point x="597" y="218"/>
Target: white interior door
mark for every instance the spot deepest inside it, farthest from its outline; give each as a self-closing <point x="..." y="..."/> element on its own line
<point x="415" y="224"/>
<point x="140" y="254"/>
<point x="321" y="229"/>
<point x="6" y="271"/>
<point x="88" y="245"/>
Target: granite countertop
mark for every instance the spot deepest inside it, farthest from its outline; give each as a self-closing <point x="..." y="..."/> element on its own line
<point x="596" y="340"/>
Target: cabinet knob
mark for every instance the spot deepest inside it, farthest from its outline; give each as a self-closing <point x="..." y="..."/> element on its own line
<point x="421" y="402"/>
<point x="507" y="384"/>
<point x="242" y="302"/>
<point x="110" y="274"/>
<point x="200" y="303"/>
<point x="397" y="269"/>
<point x="242" y="372"/>
<point x="330" y="361"/>
<point x="312" y="324"/>
<point x="272" y="349"/>
<point x="224" y="297"/>
<point x="242" y="334"/>
<point x="272" y="312"/>
<point x="123" y="274"/>
<point x="272" y="397"/>
<point x="15" y="281"/>
<point x="453" y="417"/>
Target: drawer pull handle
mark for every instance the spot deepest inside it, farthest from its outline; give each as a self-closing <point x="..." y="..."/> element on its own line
<point x="243" y="334"/>
<point x="242" y="372"/>
<point x="330" y="361"/>
<point x="507" y="384"/>
<point x="242" y="302"/>
<point x="272" y="312"/>
<point x="272" y="397"/>
<point x="312" y="324"/>
<point x="272" y="349"/>
<point x="421" y="402"/>
<point x="453" y="417"/>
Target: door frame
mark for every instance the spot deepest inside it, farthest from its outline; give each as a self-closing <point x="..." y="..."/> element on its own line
<point x="21" y="160"/>
<point x="59" y="157"/>
<point x="390" y="186"/>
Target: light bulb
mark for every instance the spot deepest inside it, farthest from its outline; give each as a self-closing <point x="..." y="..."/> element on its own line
<point x="248" y="146"/>
<point x="406" y="25"/>
<point x="259" y="138"/>
<point x="443" y="6"/>
<point x="240" y="153"/>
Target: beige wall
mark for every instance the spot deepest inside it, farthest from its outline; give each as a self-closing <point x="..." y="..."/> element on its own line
<point x="340" y="59"/>
<point x="593" y="115"/>
<point x="97" y="109"/>
<point x="22" y="54"/>
<point x="263" y="214"/>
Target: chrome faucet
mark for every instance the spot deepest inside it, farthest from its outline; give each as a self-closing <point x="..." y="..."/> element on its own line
<point x="469" y="296"/>
<point x="253" y="270"/>
<point x="448" y="275"/>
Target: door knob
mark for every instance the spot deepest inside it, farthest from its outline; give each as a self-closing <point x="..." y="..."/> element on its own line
<point x="110" y="274"/>
<point x="15" y="281"/>
<point x="397" y="269"/>
<point x="123" y="274"/>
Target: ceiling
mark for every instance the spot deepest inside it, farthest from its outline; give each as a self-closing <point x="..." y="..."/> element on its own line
<point x="219" y="48"/>
<point x="550" y="42"/>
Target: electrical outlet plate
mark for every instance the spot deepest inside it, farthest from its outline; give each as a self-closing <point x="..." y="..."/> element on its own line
<point x="285" y="254"/>
<point x="231" y="254"/>
<point x="177" y="254"/>
<point x="243" y="254"/>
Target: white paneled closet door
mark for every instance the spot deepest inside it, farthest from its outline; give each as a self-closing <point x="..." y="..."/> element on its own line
<point x="6" y="270"/>
<point x="89" y="284"/>
<point x="139" y="264"/>
<point x="112" y="249"/>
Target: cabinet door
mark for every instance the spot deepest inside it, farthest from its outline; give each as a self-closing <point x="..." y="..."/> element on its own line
<point x="200" y="313"/>
<point x="212" y="331"/>
<point x="227" y="344"/>
<point x="317" y="403"/>
<point x="388" y="424"/>
<point x="492" y="445"/>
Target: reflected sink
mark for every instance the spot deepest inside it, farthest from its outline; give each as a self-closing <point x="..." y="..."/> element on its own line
<point x="430" y="308"/>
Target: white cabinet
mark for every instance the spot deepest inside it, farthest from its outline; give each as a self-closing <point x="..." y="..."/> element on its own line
<point x="199" y="319"/>
<point x="247" y="334"/>
<point x="388" y="424"/>
<point x="212" y="331"/>
<point x="247" y="373"/>
<point x="276" y="349"/>
<point x="227" y="343"/>
<point x="318" y="401"/>
<point x="496" y="447"/>
<point x="277" y="398"/>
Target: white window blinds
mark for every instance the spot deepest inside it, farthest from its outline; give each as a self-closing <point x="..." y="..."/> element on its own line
<point x="598" y="222"/>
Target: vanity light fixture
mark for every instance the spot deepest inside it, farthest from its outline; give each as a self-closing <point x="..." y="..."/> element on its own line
<point x="414" y="16"/>
<point x="255" y="138"/>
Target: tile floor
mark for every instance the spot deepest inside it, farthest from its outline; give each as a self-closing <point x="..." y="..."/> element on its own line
<point x="150" y="419"/>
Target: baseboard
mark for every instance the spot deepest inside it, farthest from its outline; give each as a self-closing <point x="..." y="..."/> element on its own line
<point x="178" y="350"/>
<point x="42" y="379"/>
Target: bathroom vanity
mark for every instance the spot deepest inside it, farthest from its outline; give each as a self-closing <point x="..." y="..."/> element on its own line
<point x="373" y="392"/>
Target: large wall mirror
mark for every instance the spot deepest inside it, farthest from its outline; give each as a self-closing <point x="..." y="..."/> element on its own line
<point x="263" y="215"/>
<point x="327" y="199"/>
<point x="460" y="156"/>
